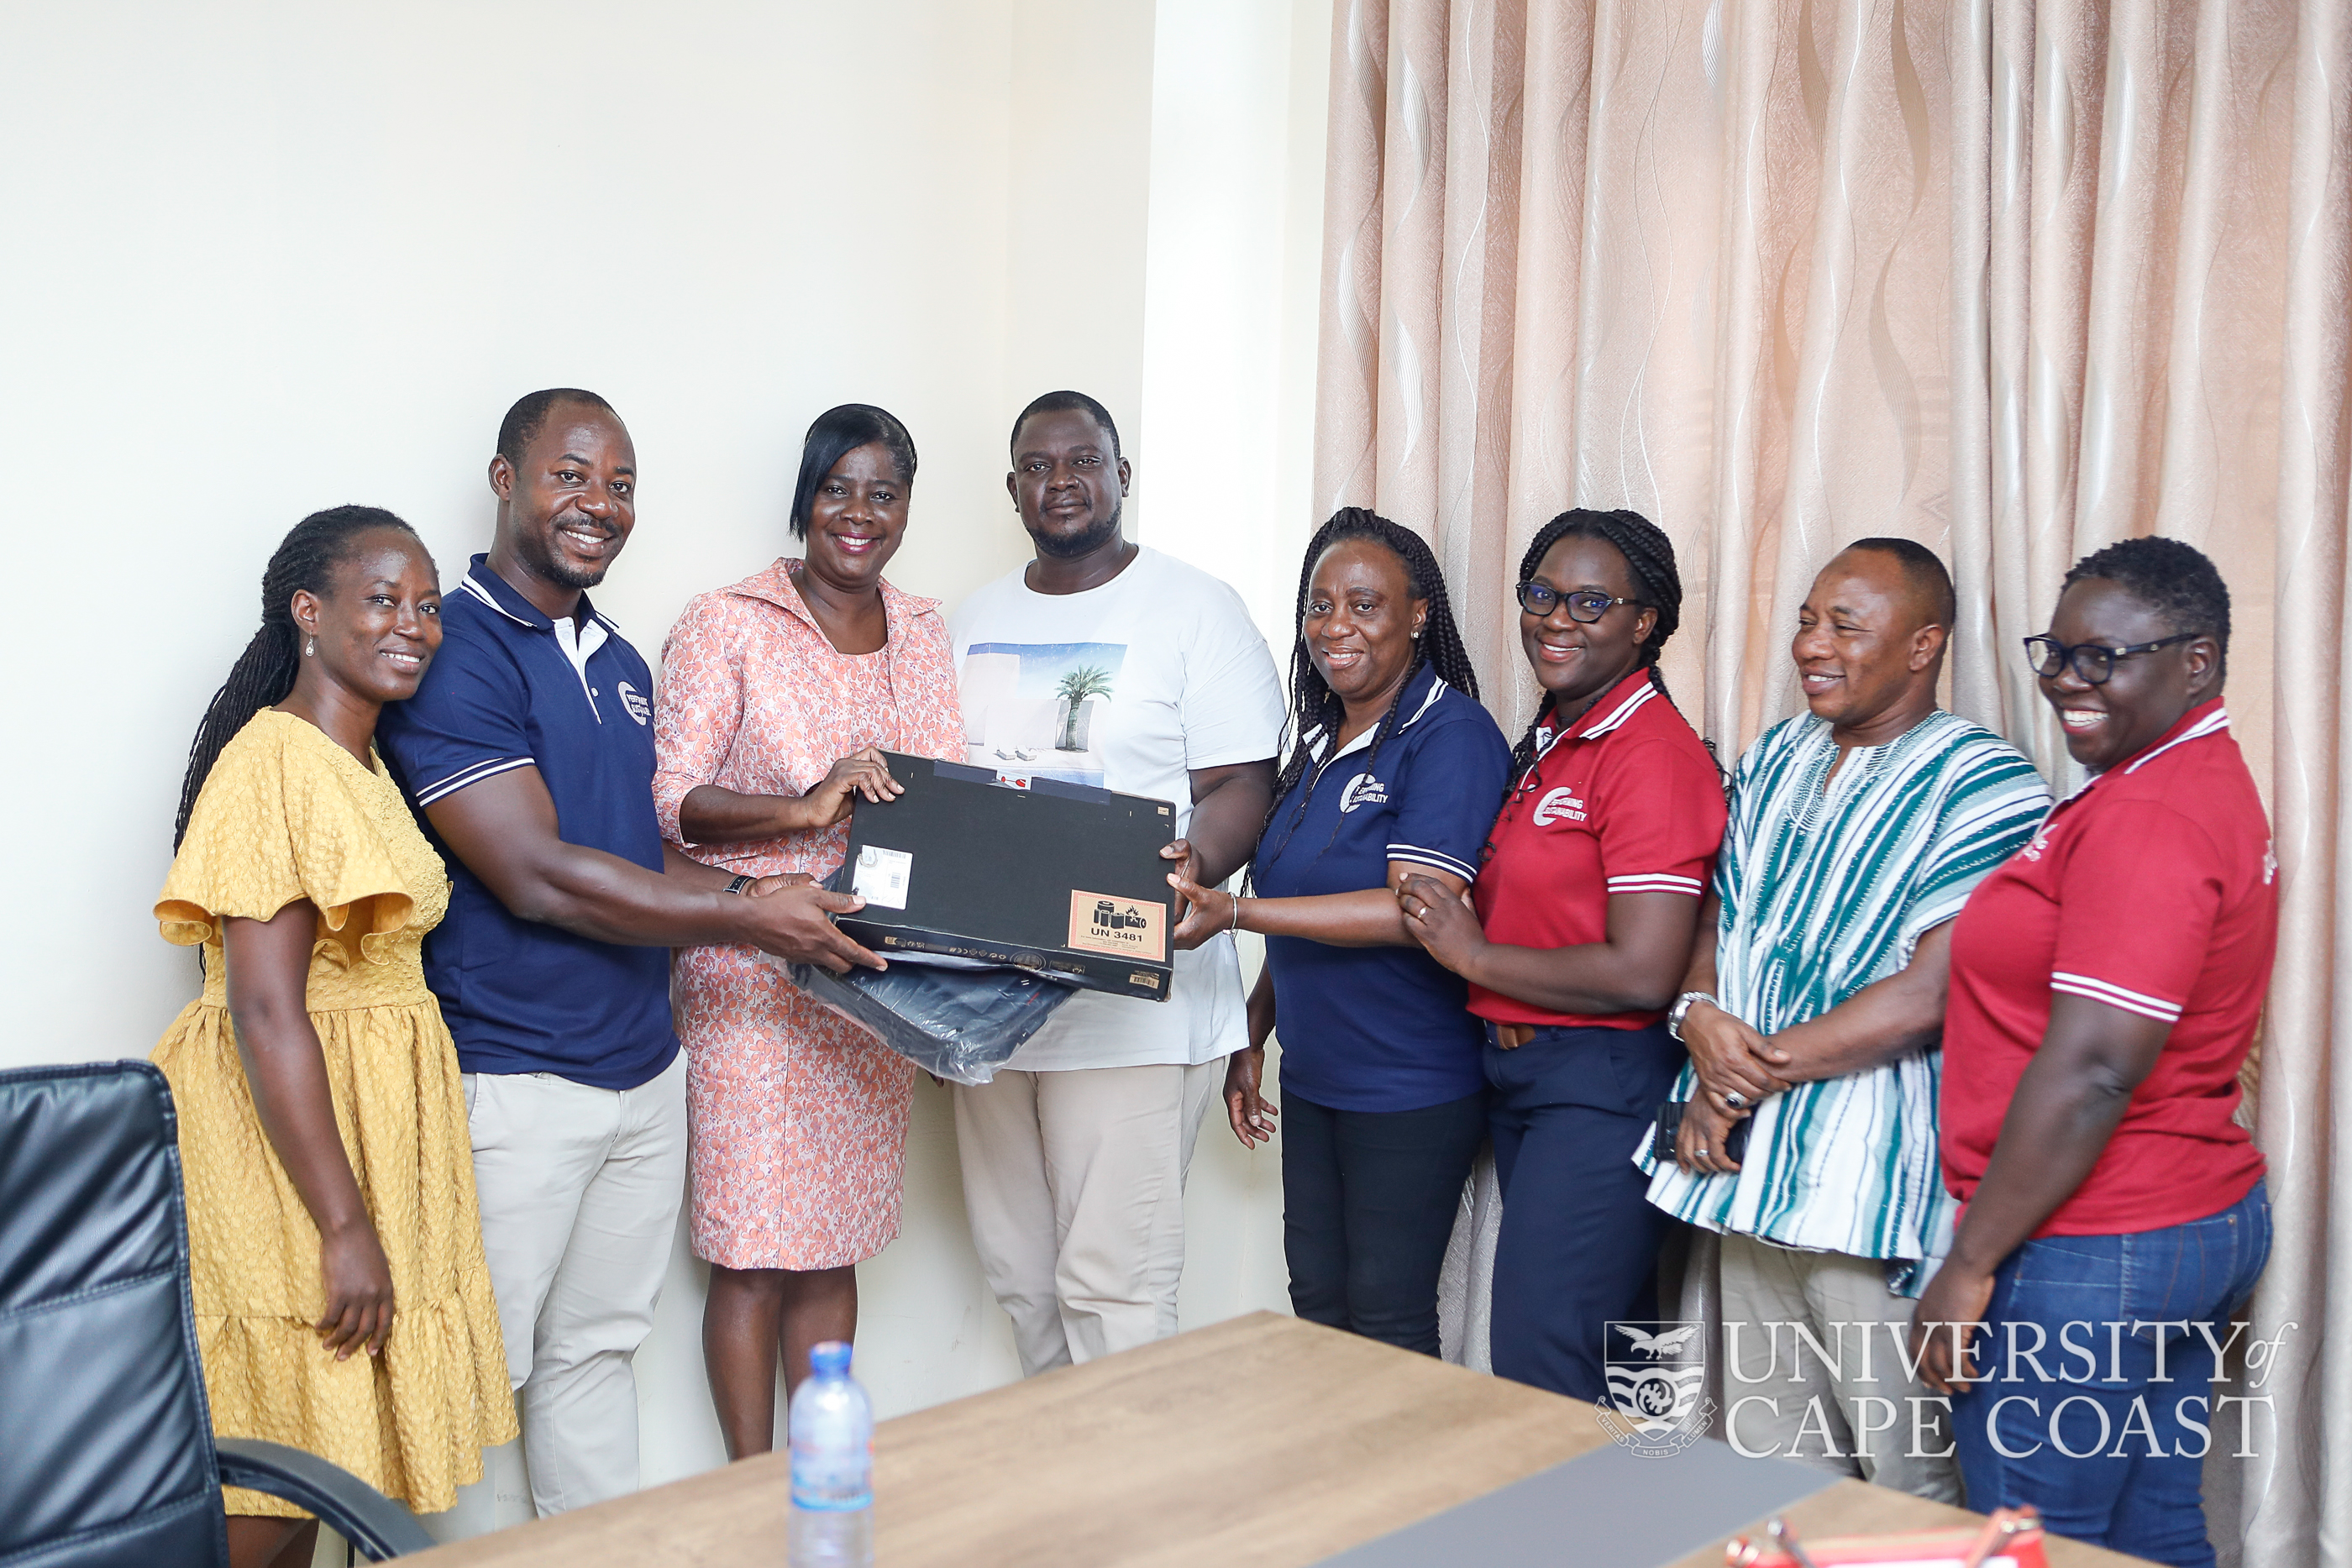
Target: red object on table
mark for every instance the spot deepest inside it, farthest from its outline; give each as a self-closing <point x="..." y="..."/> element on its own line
<point x="2011" y="1538"/>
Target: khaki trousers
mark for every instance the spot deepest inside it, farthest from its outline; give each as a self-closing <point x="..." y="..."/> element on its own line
<point x="579" y="1191"/>
<point x="1075" y="1183"/>
<point x="1854" y="1411"/>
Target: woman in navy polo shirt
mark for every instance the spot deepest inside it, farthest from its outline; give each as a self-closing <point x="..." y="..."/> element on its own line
<point x="1393" y="769"/>
<point x="2107" y="983"/>
<point x="1586" y="910"/>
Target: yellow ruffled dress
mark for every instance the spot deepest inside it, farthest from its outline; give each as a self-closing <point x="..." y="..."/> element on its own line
<point x="288" y="814"/>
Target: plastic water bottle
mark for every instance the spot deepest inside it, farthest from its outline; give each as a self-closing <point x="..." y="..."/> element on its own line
<point x="833" y="1466"/>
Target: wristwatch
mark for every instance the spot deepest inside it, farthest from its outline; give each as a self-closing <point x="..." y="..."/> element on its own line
<point x="1676" y="1014"/>
<point x="743" y="884"/>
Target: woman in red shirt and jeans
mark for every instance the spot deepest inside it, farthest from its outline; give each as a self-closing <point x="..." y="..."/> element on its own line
<point x="1587" y="906"/>
<point x="2105" y="985"/>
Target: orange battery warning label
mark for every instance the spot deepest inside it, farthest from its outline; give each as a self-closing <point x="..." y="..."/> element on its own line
<point x="1133" y="928"/>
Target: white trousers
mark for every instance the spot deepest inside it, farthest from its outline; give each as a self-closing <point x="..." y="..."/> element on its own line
<point x="1856" y="1413"/>
<point x="580" y="1190"/>
<point x="1075" y="1183"/>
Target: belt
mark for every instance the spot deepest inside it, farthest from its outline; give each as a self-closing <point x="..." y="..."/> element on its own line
<point x="1511" y="1036"/>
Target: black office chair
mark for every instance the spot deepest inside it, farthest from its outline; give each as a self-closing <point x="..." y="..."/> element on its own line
<point x="107" y="1455"/>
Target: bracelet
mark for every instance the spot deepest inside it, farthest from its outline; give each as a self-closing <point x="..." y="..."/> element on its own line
<point x="1236" y="925"/>
<point x="1682" y="1007"/>
<point x="741" y="884"/>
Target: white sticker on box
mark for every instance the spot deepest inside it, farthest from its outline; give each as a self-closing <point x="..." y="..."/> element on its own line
<point x="881" y="876"/>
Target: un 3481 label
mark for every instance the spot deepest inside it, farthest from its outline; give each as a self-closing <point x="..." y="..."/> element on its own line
<point x="1130" y="927"/>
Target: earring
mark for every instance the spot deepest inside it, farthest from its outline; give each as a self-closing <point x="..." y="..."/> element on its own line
<point x="311" y="646"/>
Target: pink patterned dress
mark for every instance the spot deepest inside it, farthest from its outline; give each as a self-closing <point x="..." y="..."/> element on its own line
<point x="799" y="1116"/>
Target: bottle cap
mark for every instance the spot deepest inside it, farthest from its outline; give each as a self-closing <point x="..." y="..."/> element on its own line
<point x="830" y="1359"/>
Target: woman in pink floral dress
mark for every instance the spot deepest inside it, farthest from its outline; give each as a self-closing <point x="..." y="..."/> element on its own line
<point x="777" y="696"/>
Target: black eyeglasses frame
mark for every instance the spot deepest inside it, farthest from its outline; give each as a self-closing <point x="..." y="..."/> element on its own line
<point x="1558" y="598"/>
<point x="2063" y="655"/>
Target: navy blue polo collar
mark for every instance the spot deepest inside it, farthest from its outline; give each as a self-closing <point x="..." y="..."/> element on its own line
<point x="499" y="594"/>
<point x="1421" y="690"/>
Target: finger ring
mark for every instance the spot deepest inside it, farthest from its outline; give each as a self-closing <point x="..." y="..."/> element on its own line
<point x="1735" y="1100"/>
<point x="1699" y="1153"/>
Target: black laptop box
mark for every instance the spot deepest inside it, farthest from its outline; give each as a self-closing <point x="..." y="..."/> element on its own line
<point x="1059" y="878"/>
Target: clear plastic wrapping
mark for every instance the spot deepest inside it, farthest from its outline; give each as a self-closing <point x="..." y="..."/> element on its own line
<point x="960" y="1023"/>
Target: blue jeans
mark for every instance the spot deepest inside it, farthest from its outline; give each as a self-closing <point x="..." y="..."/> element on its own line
<point x="2094" y="1436"/>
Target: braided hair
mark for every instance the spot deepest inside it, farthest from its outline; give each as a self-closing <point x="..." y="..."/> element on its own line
<point x="1657" y="586"/>
<point x="306" y="559"/>
<point x="1314" y="706"/>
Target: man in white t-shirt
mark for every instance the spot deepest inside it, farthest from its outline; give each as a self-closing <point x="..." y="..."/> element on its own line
<point x="1111" y="664"/>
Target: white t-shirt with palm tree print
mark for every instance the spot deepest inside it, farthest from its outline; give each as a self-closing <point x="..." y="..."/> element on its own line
<point x="1128" y="686"/>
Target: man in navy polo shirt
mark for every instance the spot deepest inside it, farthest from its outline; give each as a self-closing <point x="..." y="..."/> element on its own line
<point x="530" y="753"/>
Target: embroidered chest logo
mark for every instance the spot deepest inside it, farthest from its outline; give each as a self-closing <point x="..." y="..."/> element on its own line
<point x="2033" y="852"/>
<point x="635" y="701"/>
<point x="1558" y="805"/>
<point x="1363" y="789"/>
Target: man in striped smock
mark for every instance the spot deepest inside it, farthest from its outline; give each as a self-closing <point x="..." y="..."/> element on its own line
<point x="1814" y="1021"/>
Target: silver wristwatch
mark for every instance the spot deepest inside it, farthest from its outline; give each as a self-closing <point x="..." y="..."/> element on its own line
<point x="1681" y="1009"/>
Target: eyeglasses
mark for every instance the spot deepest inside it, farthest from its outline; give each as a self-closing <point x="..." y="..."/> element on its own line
<point x="2093" y="663"/>
<point x="1589" y="606"/>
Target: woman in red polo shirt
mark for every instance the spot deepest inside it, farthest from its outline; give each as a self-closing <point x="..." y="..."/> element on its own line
<point x="2106" y="982"/>
<point x="1587" y="906"/>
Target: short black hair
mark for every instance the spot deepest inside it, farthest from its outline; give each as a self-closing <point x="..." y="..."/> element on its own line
<point x="1925" y="571"/>
<point x="1065" y="403"/>
<point x="834" y="435"/>
<point x="2173" y="579"/>
<point x="528" y="417"/>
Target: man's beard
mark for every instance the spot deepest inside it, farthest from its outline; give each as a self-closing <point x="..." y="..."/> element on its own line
<point x="1068" y="547"/>
<point x="573" y="577"/>
<point x="541" y="558"/>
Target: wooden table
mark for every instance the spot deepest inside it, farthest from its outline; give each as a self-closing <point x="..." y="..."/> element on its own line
<point x="1263" y="1442"/>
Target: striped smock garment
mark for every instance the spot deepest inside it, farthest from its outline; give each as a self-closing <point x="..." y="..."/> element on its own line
<point x="1827" y="885"/>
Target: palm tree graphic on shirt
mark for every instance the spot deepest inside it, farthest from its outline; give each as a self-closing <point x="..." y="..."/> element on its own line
<point x="1086" y="681"/>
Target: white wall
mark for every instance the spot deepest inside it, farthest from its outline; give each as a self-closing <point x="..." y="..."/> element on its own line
<point x="259" y="258"/>
<point x="1225" y="450"/>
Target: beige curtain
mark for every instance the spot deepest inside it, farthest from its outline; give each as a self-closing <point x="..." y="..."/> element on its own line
<point x="2014" y="280"/>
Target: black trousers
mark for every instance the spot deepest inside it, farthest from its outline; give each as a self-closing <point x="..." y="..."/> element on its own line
<point x="1368" y="1204"/>
<point x="1579" y="1243"/>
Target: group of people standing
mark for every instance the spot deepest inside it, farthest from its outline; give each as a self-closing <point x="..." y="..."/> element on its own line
<point x="437" y="1122"/>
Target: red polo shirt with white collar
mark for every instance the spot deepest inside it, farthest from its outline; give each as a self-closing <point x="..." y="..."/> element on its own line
<point x="2151" y="889"/>
<point x="1626" y="801"/>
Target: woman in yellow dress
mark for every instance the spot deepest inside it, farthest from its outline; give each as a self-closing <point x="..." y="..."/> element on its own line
<point x="342" y="1303"/>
